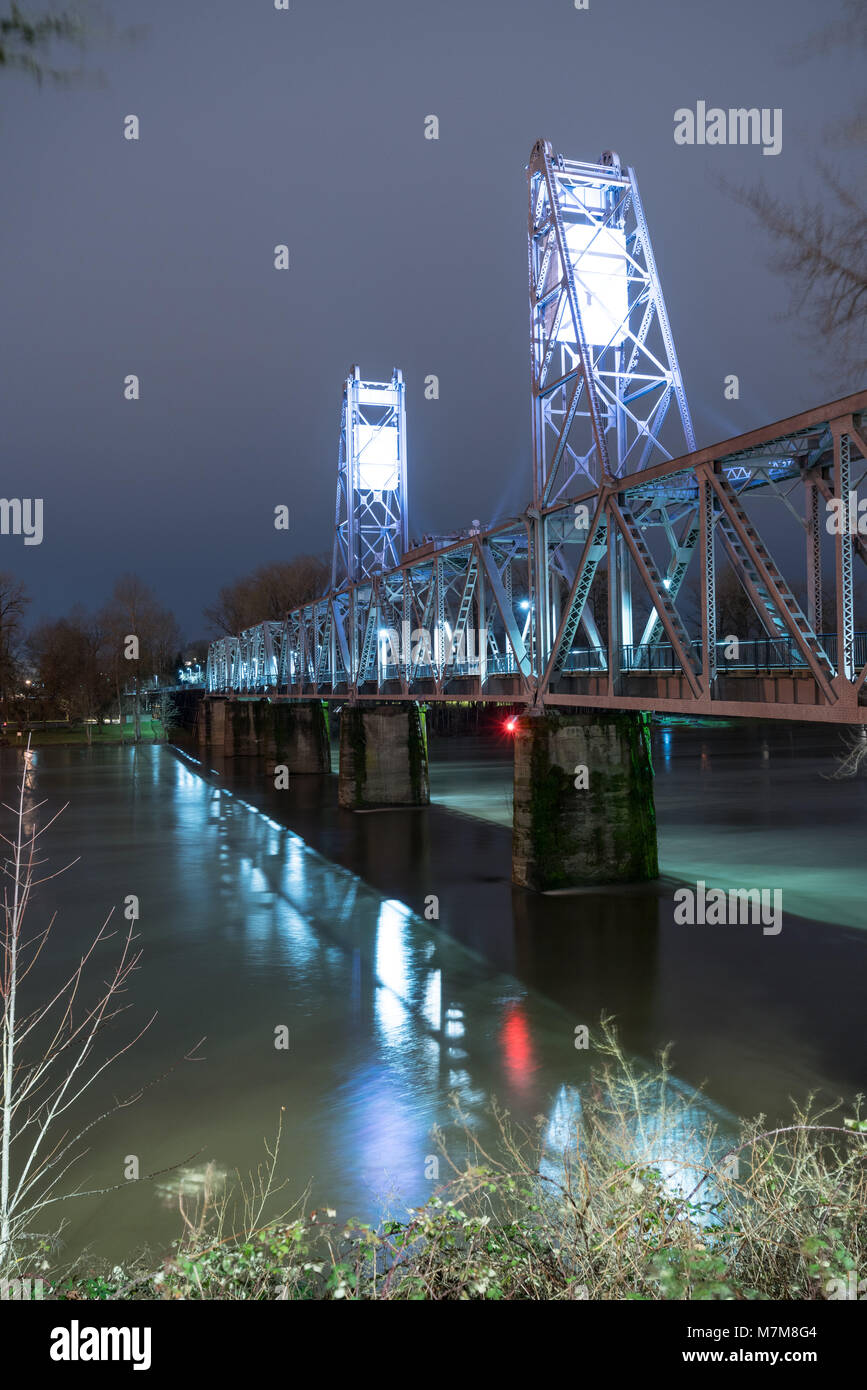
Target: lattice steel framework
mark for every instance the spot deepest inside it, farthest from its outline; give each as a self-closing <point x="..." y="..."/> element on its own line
<point x="604" y="370"/>
<point x="458" y="615"/>
<point x="540" y="608"/>
<point x="370" y="524"/>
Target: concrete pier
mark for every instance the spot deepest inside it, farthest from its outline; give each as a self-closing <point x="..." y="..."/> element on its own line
<point x="383" y="756"/>
<point x="289" y="732"/>
<point x="204" y="721"/>
<point x="583" y="811"/>
<point x="301" y="740"/>
<point x="246" y="730"/>
<point x="211" y="724"/>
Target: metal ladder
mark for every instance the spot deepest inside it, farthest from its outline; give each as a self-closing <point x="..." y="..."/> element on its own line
<point x="758" y="583"/>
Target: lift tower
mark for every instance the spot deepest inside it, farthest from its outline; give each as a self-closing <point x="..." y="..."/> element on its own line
<point x="604" y="371"/>
<point x="370" y="525"/>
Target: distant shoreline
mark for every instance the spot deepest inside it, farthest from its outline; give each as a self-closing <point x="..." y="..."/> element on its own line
<point x="105" y="735"/>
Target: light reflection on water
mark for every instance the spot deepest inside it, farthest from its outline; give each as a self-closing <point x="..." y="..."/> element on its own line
<point x="677" y="1134"/>
<point x="408" y="996"/>
<point x="246" y="928"/>
<point x="740" y="806"/>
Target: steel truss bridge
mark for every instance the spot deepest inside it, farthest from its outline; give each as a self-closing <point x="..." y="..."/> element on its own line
<point x="604" y="592"/>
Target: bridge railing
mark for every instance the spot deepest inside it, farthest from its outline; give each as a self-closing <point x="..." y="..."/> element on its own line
<point x="252" y="669"/>
<point x="504" y="664"/>
<point x="759" y="654"/>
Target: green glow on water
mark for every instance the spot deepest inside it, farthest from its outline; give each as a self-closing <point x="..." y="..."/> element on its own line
<point x="727" y="813"/>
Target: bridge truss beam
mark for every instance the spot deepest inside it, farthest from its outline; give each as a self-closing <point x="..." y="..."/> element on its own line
<point x="456" y="622"/>
<point x="631" y="529"/>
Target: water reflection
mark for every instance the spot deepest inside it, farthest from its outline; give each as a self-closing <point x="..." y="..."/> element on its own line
<point x="517" y="1044"/>
<point x="442" y="1024"/>
<point x="665" y="741"/>
<point x="673" y="1132"/>
<point x="246" y="926"/>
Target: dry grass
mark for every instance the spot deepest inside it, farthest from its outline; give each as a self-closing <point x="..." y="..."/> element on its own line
<point x="638" y="1204"/>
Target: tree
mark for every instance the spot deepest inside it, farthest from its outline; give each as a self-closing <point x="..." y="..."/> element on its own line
<point x="25" y="39"/>
<point x="51" y="1051"/>
<point x="68" y="654"/>
<point x="46" y="1054"/>
<point x="196" y="651"/>
<point x="854" y="757"/>
<point x="13" y="602"/>
<point x="735" y="614"/>
<point x="268" y="593"/>
<point x="169" y="713"/>
<point x="820" y="246"/>
<point x="140" y="636"/>
<point x="28" y="38"/>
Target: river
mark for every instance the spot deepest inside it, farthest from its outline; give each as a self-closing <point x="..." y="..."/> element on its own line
<point x="265" y="910"/>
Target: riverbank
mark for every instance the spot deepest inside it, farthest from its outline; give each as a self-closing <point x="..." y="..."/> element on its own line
<point x="595" y="1214"/>
<point x="72" y="735"/>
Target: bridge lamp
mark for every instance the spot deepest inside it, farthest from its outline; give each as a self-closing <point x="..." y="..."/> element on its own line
<point x="599" y="266"/>
<point x="389" y="654"/>
<point x="378" y="463"/>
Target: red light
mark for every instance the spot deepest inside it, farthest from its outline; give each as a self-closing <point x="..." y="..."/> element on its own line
<point x="511" y="725"/>
<point x="517" y="1047"/>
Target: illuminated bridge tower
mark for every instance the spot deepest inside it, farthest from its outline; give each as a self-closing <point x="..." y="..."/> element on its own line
<point x="604" y="373"/>
<point x="370" y="526"/>
<point x="383" y="749"/>
<point x="604" y="378"/>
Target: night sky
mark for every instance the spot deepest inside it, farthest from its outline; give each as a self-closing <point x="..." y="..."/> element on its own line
<point x="261" y="127"/>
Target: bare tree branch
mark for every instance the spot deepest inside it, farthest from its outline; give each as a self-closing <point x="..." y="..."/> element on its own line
<point x="48" y="1057"/>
